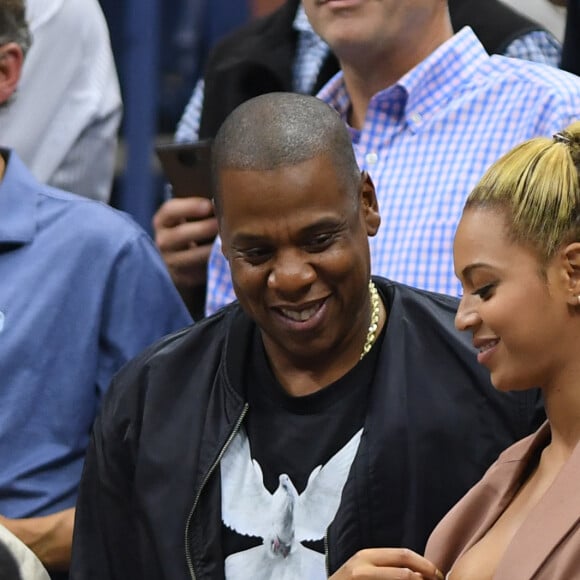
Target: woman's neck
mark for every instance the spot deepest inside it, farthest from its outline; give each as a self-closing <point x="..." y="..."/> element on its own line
<point x="562" y="403"/>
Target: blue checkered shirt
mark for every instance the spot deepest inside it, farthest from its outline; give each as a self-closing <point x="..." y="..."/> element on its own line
<point x="427" y="140"/>
<point x="537" y="46"/>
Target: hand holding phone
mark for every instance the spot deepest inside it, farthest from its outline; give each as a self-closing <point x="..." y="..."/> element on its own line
<point x="184" y="225"/>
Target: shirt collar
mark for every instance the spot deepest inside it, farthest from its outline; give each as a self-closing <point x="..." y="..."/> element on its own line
<point x="443" y="74"/>
<point x="429" y="85"/>
<point x="18" y="201"/>
<point x="39" y="12"/>
<point x="301" y="22"/>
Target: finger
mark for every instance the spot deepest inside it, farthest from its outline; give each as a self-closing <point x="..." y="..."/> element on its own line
<point x="189" y="267"/>
<point x="191" y="258"/>
<point x="402" y="558"/>
<point x="370" y="572"/>
<point x="185" y="235"/>
<point x="396" y="573"/>
<point x="399" y="574"/>
<point x="177" y="210"/>
<point x="391" y="573"/>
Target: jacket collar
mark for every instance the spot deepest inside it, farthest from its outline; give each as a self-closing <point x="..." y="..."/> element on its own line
<point x="551" y="519"/>
<point x="507" y="474"/>
<point x="548" y="522"/>
<point x="18" y="202"/>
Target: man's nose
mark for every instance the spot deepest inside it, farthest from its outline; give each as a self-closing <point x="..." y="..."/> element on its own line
<point x="291" y="273"/>
<point x="467" y="316"/>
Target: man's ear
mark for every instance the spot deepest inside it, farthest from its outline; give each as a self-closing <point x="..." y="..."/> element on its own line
<point x="369" y="204"/>
<point x="571" y="256"/>
<point x="11" y="61"/>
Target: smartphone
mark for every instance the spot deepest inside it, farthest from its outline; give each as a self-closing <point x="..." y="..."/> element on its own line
<point x="187" y="167"/>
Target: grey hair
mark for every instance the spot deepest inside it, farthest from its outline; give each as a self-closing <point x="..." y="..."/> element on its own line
<point x="281" y="129"/>
<point x="13" y="24"/>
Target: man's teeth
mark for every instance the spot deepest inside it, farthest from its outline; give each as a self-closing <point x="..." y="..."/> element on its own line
<point x="489" y="345"/>
<point x="302" y="315"/>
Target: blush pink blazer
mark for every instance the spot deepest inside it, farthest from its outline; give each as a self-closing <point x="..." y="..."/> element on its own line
<point x="547" y="545"/>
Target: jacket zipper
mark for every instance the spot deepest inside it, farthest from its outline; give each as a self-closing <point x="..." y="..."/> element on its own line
<point x="234" y="432"/>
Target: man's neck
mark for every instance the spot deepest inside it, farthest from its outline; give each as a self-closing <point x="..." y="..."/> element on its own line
<point x="2" y="166"/>
<point x="305" y="377"/>
<point x="369" y="75"/>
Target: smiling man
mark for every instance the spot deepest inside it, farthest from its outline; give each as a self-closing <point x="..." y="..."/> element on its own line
<point x="428" y="112"/>
<point x="325" y="413"/>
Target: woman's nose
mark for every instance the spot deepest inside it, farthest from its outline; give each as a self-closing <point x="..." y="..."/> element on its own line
<point x="467" y="315"/>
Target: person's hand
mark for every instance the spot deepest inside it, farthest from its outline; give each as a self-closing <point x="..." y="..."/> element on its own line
<point x="184" y="231"/>
<point x="387" y="564"/>
<point x="49" y="537"/>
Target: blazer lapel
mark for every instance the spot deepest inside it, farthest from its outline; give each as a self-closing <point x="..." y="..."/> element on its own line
<point x="550" y="521"/>
<point x="483" y="506"/>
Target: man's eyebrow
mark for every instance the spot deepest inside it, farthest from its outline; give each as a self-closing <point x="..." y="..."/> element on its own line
<point x="320" y="225"/>
<point x="248" y="238"/>
<point x="324" y="224"/>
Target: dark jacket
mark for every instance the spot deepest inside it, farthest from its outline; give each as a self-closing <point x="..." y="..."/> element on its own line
<point x="149" y="503"/>
<point x="494" y="23"/>
<point x="571" y="46"/>
<point x="256" y="59"/>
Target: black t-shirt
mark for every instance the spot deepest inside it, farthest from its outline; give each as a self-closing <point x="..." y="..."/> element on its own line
<point x="294" y="435"/>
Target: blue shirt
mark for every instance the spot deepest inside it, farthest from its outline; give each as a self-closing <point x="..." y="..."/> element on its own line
<point x="82" y="290"/>
<point x="427" y="140"/>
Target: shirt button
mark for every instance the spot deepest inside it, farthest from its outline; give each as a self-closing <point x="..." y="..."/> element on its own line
<point x="416" y="118"/>
<point x="371" y="158"/>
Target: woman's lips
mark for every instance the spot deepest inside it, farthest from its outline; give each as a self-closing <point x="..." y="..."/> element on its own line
<point x="486" y="350"/>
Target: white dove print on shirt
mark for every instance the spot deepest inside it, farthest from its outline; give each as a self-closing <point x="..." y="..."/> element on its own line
<point x="283" y="519"/>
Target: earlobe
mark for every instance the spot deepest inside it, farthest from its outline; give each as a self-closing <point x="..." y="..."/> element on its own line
<point x="369" y="204"/>
<point x="11" y="61"/>
<point x="572" y="265"/>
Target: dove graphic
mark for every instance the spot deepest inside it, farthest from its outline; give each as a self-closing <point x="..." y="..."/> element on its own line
<point x="283" y="519"/>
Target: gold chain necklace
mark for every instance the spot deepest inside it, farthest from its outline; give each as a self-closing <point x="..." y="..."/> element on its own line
<point x="374" y="325"/>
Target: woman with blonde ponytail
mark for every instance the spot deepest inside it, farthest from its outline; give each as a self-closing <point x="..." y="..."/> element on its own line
<point x="517" y="255"/>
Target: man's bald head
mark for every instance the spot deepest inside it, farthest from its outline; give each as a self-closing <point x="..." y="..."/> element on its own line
<point x="281" y="129"/>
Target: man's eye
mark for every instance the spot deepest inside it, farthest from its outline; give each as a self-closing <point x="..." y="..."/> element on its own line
<point x="484" y="292"/>
<point x="256" y="255"/>
<point x="320" y="242"/>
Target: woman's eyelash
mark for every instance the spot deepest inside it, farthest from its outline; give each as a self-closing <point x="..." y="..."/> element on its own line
<point x="484" y="291"/>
